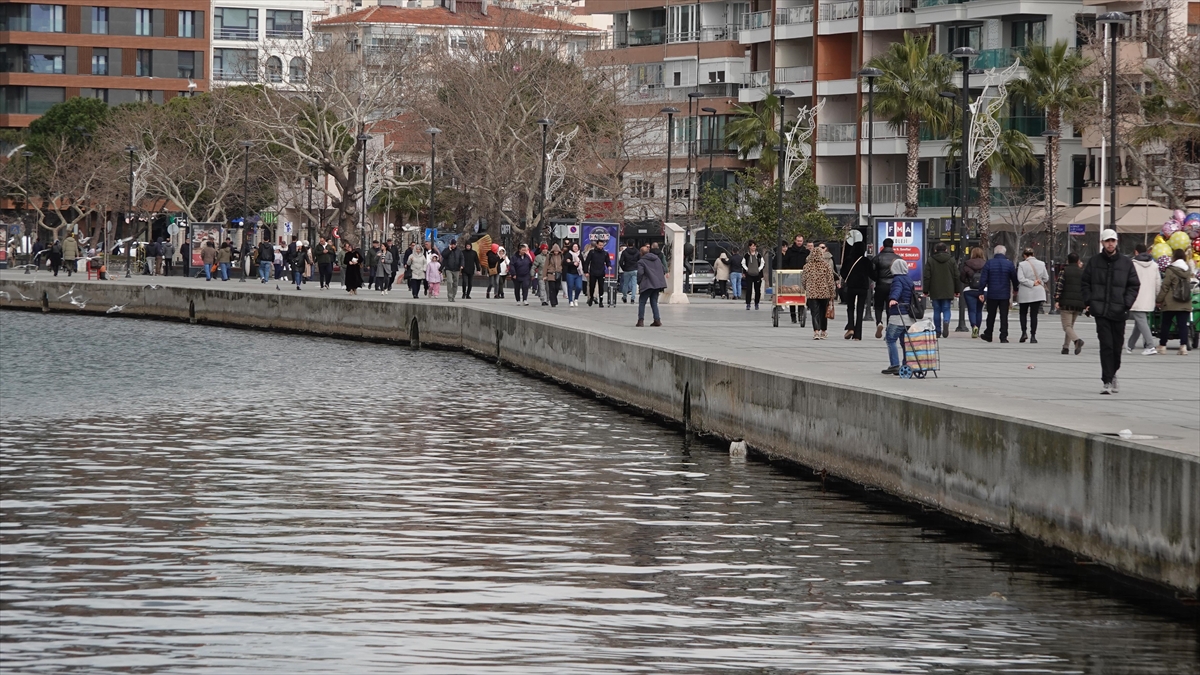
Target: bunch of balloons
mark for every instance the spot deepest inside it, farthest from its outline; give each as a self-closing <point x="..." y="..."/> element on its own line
<point x="1181" y="232"/>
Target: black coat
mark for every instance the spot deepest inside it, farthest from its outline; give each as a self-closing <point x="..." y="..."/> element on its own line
<point x="857" y="268"/>
<point x="881" y="267"/>
<point x="470" y="262"/>
<point x="452" y="259"/>
<point x="795" y="258"/>
<point x="1069" y="295"/>
<point x="629" y="259"/>
<point x="520" y="267"/>
<point x="1110" y="285"/>
<point x="597" y="262"/>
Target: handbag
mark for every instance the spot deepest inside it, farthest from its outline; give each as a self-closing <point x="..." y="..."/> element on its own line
<point x="842" y="291"/>
<point x="829" y="313"/>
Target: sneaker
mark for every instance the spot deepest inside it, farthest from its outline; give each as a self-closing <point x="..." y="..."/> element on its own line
<point x="1066" y="350"/>
<point x="1129" y="350"/>
<point x="878" y="331"/>
<point x="1149" y="351"/>
<point x="985" y="337"/>
<point x="974" y="331"/>
<point x="527" y="303"/>
<point x="1183" y="350"/>
<point x="1003" y="341"/>
<point x="1161" y="349"/>
<point x="1078" y="347"/>
<point x="747" y="307"/>
<point x="1106" y="390"/>
<point x="1115" y="387"/>
<point x="544" y="304"/>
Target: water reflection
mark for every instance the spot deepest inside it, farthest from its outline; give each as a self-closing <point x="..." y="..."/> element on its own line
<point x="189" y="498"/>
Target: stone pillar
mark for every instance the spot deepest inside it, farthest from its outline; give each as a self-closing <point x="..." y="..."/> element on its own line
<point x="675" y="236"/>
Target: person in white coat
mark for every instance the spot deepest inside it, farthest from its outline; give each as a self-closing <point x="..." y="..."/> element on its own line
<point x="1031" y="292"/>
<point x="1151" y="280"/>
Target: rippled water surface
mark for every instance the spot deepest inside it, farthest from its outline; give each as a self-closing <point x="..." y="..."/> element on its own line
<point x="182" y="498"/>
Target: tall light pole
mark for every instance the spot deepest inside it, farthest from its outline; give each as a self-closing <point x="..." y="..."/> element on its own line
<point x="693" y="100"/>
<point x="362" y="217"/>
<point x="128" y="216"/>
<point x="670" y="112"/>
<point x="1051" y="136"/>
<point x="782" y="95"/>
<point x="30" y="229"/>
<point x="312" y="176"/>
<point x="712" y="131"/>
<point x="1112" y="19"/>
<point x="870" y="74"/>
<point x="245" y="208"/>
<point x="964" y="54"/>
<point x="545" y="123"/>
<point x="433" y="132"/>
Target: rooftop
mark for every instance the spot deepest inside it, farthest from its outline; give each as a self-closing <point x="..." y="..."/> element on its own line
<point x="468" y="15"/>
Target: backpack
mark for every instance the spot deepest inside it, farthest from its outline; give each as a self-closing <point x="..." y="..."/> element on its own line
<point x="1180" y="291"/>
<point x="916" y="306"/>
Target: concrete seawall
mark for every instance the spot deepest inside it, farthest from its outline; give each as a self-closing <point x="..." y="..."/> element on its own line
<point x="1132" y="507"/>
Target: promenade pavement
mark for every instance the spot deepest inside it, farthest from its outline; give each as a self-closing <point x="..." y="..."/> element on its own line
<point x="1160" y="395"/>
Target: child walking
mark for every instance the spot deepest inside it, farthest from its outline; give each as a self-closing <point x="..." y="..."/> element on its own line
<point x="433" y="274"/>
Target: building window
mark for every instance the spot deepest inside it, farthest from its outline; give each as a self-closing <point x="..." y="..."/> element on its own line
<point x="41" y="99"/>
<point x="46" y="18"/>
<point x="1025" y="33"/>
<point x="100" y="20"/>
<point x="285" y="23"/>
<point x="187" y="65"/>
<point x="296" y="69"/>
<point x="99" y="61"/>
<point x="98" y="94"/>
<point x="274" y="69"/>
<point x="143" y="95"/>
<point x="46" y="60"/>
<point x="641" y="189"/>
<point x="145" y="63"/>
<point x="646" y="75"/>
<point x="143" y="22"/>
<point x="187" y="23"/>
<point x="235" y="64"/>
<point x="231" y="23"/>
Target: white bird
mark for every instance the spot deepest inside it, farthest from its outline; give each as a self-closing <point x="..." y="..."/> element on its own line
<point x="70" y="293"/>
<point x="23" y="296"/>
<point x="80" y="303"/>
<point x="5" y="295"/>
<point x="114" y="309"/>
<point x="152" y="287"/>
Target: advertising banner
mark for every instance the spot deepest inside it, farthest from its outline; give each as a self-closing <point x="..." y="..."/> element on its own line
<point x="606" y="235"/>
<point x="1077" y="229"/>
<point x="908" y="241"/>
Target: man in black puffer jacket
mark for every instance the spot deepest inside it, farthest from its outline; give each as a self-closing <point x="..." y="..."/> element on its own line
<point x="795" y="259"/>
<point x="1110" y="286"/>
<point x="881" y="274"/>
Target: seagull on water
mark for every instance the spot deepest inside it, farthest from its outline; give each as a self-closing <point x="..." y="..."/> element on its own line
<point x="114" y="309"/>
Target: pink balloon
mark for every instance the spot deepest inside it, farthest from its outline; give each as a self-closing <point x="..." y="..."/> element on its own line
<point x="1179" y="216"/>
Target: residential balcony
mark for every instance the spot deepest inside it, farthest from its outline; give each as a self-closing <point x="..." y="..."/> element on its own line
<point x="887" y="7"/>
<point x="755" y="20"/>
<point x="640" y="38"/>
<point x="1032" y="126"/>
<point x="233" y="75"/>
<point x="757" y="79"/>
<point x="939" y="3"/>
<point x="835" y="11"/>
<point x="887" y="193"/>
<point x="235" y="33"/>
<point x="946" y="197"/>
<point x="660" y="35"/>
<point x="790" y="16"/>
<point x="998" y="58"/>
<point x="289" y="33"/>
<point x="794" y="74"/>
<point x="678" y="94"/>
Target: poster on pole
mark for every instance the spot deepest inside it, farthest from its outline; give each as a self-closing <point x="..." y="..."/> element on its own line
<point x="908" y="241"/>
<point x="604" y="234"/>
<point x="1077" y="229"/>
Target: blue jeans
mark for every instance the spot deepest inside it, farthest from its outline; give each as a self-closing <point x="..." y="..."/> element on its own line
<point x="574" y="286"/>
<point x="974" y="308"/>
<point x="628" y="283"/>
<point x="941" y="314"/>
<point x="735" y="284"/>
<point x="895" y="349"/>
<point x="298" y="277"/>
<point x="652" y="296"/>
<point x="224" y="267"/>
<point x="208" y="272"/>
<point x="264" y="270"/>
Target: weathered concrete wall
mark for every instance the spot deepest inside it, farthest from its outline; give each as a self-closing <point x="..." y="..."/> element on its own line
<point x="1132" y="507"/>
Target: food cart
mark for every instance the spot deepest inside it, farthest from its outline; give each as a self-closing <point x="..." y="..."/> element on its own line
<point x="789" y="292"/>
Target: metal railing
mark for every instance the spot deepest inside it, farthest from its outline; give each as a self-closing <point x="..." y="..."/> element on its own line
<point x="998" y="58"/>
<point x="939" y="3"/>
<point x="945" y="197"/>
<point x="233" y="75"/>
<point x="836" y="133"/>
<point x="886" y="193"/>
<point x="884" y="131"/>
<point x="640" y="37"/>
<point x="235" y="33"/>
<point x="794" y="74"/>
<point x="1030" y="126"/>
<point x="756" y="20"/>
<point x="887" y="7"/>
<point x="794" y="15"/>
<point x="680" y="94"/>
<point x="757" y="79"/>
<point x="839" y="10"/>
<point x="289" y="33"/>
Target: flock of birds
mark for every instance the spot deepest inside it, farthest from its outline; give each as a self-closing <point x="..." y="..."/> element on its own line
<point x="76" y="300"/>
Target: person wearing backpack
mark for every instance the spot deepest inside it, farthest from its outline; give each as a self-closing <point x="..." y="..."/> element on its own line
<point x="1068" y="300"/>
<point x="1175" y="296"/>
<point x="941" y="284"/>
<point x="971" y="276"/>
<point x="900" y="296"/>
<point x="752" y="268"/>
<point x="881" y="274"/>
<point x="998" y="282"/>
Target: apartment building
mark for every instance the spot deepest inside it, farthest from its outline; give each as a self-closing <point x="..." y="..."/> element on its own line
<point x="119" y="52"/>
<point x="264" y="40"/>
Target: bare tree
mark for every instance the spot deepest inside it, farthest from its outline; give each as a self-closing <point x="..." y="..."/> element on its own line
<point x="66" y="187"/>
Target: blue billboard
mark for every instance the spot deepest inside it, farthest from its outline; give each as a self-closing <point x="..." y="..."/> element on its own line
<point x="908" y="242"/>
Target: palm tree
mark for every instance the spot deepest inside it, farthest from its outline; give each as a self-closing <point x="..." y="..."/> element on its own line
<point x="1053" y="82"/>
<point x="907" y="95"/>
<point x="1013" y="154"/>
<point x="756" y="128"/>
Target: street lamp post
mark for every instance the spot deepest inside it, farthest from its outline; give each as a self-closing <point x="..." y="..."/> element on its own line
<point x="30" y="229"/>
<point x="312" y="176"/>
<point x="1112" y="19"/>
<point x="712" y="131"/>
<point x="870" y="74"/>
<point x="362" y="217"/>
<point x="128" y="216"/>
<point x="433" y="132"/>
<point x="545" y="123"/>
<point x="670" y="112"/>
<point x="1051" y="136"/>
<point x="782" y="94"/>
<point x="693" y="148"/>
<point x="245" y="208"/>
<point x="964" y="54"/>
